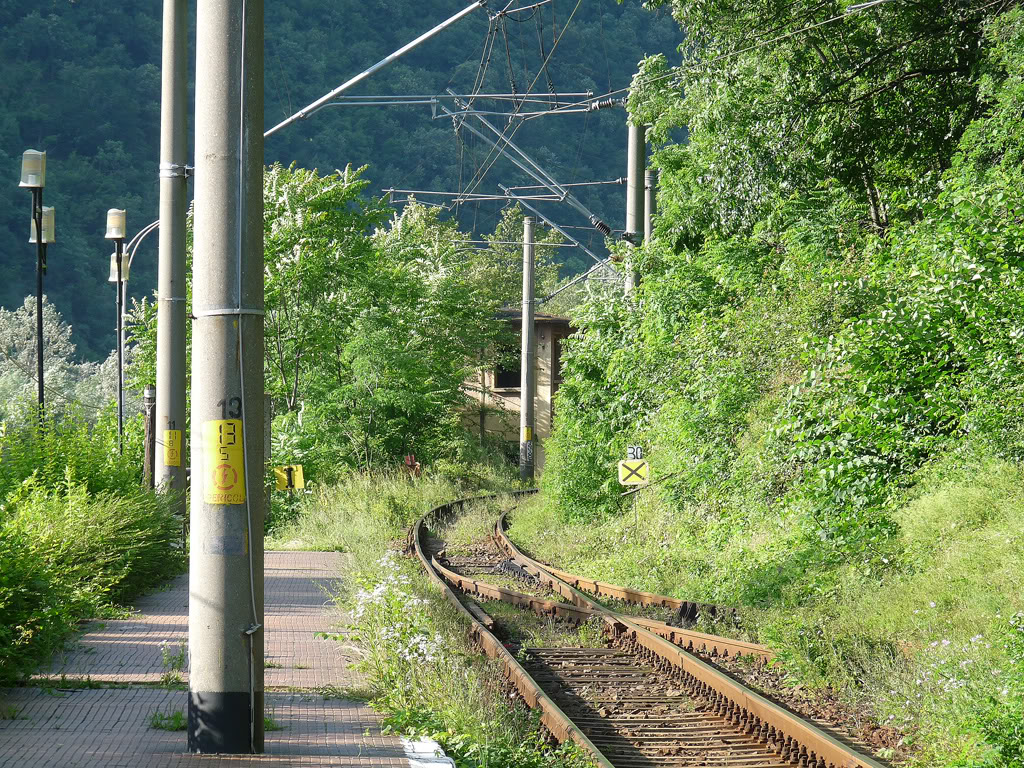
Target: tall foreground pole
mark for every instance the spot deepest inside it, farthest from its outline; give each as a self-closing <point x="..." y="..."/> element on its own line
<point x="635" y="162"/>
<point x="169" y="471"/>
<point x="529" y="357"/>
<point x="225" y="708"/>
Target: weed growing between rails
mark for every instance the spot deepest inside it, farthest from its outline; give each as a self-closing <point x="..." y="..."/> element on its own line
<point x="429" y="683"/>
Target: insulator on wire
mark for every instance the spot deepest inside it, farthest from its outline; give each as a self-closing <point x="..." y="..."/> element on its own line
<point x="602" y="104"/>
<point x="601" y="227"/>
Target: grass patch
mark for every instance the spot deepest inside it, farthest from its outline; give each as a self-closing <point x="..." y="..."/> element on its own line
<point x="169" y="721"/>
<point x="8" y="712"/>
<point x="174" y="659"/>
<point x="270" y="724"/>
<point x="359" y="514"/>
<point x="476" y="523"/>
<point x="524" y="628"/>
<point x="346" y="692"/>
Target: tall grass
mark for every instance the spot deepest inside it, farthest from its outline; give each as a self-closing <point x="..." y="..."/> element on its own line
<point x="363" y="511"/>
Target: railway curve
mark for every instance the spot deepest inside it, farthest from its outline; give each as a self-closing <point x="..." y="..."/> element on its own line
<point x="645" y="700"/>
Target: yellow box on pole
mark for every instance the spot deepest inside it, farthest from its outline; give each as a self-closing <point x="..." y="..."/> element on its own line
<point x="172" y="447"/>
<point x="289" y="477"/>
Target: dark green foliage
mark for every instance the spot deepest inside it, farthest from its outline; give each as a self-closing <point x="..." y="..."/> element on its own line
<point x="70" y="446"/>
<point x="839" y="322"/>
<point x="832" y="305"/>
<point x="1002" y="720"/>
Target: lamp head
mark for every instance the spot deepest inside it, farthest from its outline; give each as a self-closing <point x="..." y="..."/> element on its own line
<point x="33" y="169"/>
<point x="115" y="224"/>
<point x="113" y="268"/>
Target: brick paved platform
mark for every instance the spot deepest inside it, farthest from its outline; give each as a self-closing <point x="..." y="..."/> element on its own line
<point x="78" y="727"/>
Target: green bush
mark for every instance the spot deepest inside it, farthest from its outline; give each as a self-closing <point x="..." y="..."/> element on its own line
<point x="70" y="444"/>
<point x="67" y="554"/>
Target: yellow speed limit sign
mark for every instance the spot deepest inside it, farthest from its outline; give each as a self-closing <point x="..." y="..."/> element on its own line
<point x="634" y="472"/>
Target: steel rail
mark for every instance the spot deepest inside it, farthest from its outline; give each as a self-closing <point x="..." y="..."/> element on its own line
<point x="552" y="716"/>
<point x="713" y="645"/>
<point x="685" y="609"/>
<point x="792" y="737"/>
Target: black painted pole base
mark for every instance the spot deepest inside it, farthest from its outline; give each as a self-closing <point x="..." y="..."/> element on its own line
<point x="219" y="723"/>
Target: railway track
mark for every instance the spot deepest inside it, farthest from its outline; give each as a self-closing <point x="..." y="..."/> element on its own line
<point x="645" y="697"/>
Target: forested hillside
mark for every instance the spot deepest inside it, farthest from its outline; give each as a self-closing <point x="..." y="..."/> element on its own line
<point x="824" y="361"/>
<point x="86" y="87"/>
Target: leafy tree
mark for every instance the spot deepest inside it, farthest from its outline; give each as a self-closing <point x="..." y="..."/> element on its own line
<point x="499" y="268"/>
<point x="317" y="249"/>
<point x="86" y="386"/>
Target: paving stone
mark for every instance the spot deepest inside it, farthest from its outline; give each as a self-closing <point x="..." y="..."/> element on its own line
<point x="85" y="727"/>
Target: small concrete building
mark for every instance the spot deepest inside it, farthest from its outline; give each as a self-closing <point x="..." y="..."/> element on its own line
<point x="497" y="391"/>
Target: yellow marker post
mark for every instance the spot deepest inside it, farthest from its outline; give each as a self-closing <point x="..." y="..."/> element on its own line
<point x="172" y="447"/>
<point x="224" y="462"/>
<point x="634" y="472"/>
<point x="289" y="477"/>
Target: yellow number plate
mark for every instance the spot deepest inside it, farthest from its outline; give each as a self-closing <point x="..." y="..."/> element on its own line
<point x="289" y="477"/>
<point x="224" y="462"/>
<point x="172" y="447"/>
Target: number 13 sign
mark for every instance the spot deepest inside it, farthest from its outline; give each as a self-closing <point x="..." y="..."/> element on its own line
<point x="224" y="462"/>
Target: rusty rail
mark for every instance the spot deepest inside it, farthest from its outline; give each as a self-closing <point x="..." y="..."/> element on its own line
<point x="686" y="610"/>
<point x="793" y="738"/>
<point x="552" y="716"/>
<point x="688" y="639"/>
<point x="684" y="638"/>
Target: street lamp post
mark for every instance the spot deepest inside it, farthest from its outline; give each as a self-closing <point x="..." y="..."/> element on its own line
<point x="118" y="275"/>
<point x="33" y="176"/>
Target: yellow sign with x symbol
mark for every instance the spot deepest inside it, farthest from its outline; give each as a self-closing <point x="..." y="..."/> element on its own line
<point x="634" y="472"/>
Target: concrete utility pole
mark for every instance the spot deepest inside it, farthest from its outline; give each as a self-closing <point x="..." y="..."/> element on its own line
<point x="650" y="187"/>
<point x="225" y="708"/>
<point x="528" y="360"/>
<point x="169" y="469"/>
<point x="635" y="162"/>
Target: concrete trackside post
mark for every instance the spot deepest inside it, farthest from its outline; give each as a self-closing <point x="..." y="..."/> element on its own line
<point x="527" y="362"/>
<point x="225" y="707"/>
